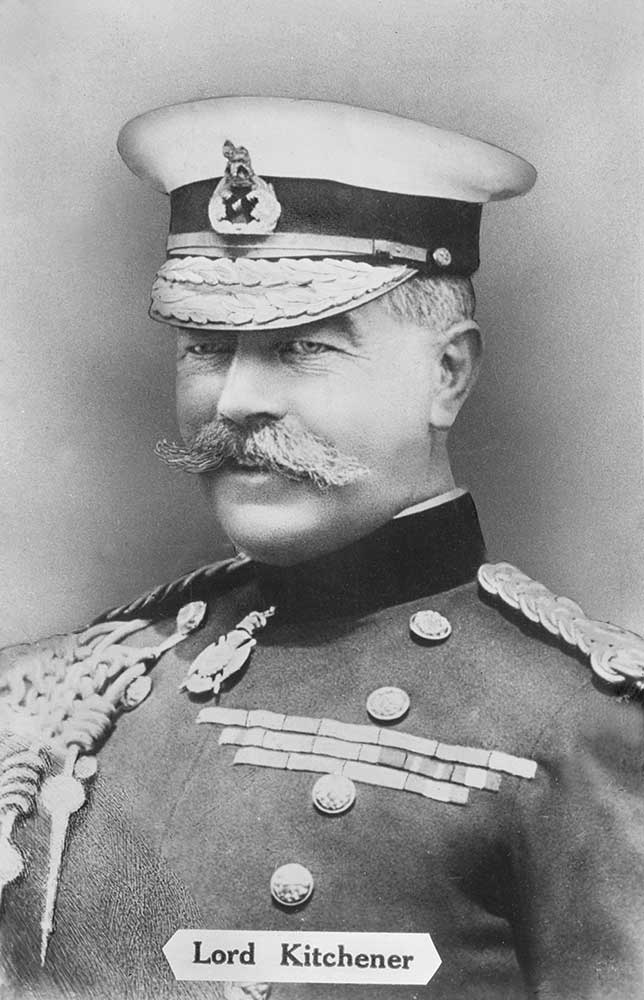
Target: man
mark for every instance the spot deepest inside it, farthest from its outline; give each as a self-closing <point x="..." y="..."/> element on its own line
<point x="395" y="735"/>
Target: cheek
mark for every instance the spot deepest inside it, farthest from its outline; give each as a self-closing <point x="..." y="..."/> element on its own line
<point x="374" y="416"/>
<point x="196" y="400"/>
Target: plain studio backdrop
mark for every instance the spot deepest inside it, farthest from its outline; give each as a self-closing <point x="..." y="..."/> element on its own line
<point x="551" y="442"/>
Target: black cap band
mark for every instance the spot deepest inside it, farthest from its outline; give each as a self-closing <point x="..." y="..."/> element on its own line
<point x="441" y="236"/>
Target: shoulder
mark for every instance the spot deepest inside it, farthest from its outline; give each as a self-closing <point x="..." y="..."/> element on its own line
<point x="57" y="678"/>
<point x="614" y="655"/>
<point x="162" y="601"/>
<point x="573" y="836"/>
<point x="574" y="685"/>
<point x="206" y="582"/>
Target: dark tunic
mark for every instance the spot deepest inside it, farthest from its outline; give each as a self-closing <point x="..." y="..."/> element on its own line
<point x="534" y="890"/>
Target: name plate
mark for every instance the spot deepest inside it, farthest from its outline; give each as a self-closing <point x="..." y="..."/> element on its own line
<point x="300" y="957"/>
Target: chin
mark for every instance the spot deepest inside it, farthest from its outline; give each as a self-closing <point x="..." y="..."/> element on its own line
<point x="273" y="519"/>
<point x="270" y="534"/>
<point x="279" y="521"/>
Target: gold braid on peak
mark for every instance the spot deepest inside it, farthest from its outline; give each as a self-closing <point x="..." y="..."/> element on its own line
<point x="616" y="655"/>
<point x="243" y="291"/>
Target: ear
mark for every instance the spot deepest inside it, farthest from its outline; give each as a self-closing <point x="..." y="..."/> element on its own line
<point x="459" y="353"/>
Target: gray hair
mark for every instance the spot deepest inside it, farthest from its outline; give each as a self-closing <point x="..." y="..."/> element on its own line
<point x="434" y="302"/>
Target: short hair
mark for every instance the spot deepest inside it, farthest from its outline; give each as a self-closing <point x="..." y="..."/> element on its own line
<point x="433" y="302"/>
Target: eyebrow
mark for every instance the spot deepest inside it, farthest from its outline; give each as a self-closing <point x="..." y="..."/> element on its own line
<point x="347" y="326"/>
<point x="342" y="323"/>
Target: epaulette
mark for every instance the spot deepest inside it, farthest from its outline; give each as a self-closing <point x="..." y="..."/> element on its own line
<point x="616" y="655"/>
<point x="211" y="580"/>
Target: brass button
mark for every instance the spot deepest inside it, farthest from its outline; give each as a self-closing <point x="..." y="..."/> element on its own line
<point x="388" y="704"/>
<point x="85" y="767"/>
<point x="442" y="257"/>
<point x="333" y="794"/>
<point x="291" y="885"/>
<point x="430" y="626"/>
<point x="136" y="692"/>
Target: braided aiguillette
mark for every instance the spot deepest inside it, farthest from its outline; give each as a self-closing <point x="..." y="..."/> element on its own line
<point x="57" y="706"/>
<point x="21" y="769"/>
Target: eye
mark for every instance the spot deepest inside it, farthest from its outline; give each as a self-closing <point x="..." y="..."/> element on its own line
<point x="305" y="348"/>
<point x="209" y="348"/>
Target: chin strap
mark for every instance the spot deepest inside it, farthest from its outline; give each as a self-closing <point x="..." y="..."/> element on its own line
<point x="616" y="655"/>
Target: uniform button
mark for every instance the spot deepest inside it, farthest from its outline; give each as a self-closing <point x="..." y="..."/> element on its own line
<point x="85" y="767"/>
<point x="388" y="704"/>
<point x="291" y="885"/>
<point x="333" y="794"/>
<point x="430" y="626"/>
<point x="190" y="616"/>
<point x="442" y="257"/>
<point x="136" y="692"/>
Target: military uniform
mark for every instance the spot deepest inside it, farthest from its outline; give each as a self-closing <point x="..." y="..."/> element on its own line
<point x="483" y="776"/>
<point x="532" y="889"/>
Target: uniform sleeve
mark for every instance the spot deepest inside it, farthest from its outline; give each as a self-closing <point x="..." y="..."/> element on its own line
<point x="578" y="854"/>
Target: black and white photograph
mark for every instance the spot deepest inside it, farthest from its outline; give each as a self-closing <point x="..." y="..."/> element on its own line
<point x="322" y="520"/>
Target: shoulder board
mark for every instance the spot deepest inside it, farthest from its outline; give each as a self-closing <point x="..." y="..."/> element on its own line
<point x="616" y="655"/>
<point x="215" y="578"/>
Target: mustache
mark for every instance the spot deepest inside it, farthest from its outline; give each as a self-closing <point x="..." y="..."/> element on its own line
<point x="272" y="446"/>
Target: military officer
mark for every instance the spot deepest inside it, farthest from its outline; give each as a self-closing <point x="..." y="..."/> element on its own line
<point x="360" y="723"/>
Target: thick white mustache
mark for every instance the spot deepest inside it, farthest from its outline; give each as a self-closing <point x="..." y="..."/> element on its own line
<point x="274" y="446"/>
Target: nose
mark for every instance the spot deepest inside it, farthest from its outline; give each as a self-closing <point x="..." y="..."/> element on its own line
<point x="251" y="390"/>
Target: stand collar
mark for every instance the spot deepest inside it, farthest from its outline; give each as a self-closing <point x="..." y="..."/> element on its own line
<point x="409" y="557"/>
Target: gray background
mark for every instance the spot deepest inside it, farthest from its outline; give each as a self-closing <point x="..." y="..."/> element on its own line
<point x="551" y="443"/>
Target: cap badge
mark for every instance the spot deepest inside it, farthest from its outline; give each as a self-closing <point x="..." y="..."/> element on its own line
<point x="242" y="202"/>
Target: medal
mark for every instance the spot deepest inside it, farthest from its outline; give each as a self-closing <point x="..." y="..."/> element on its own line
<point x="226" y="657"/>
